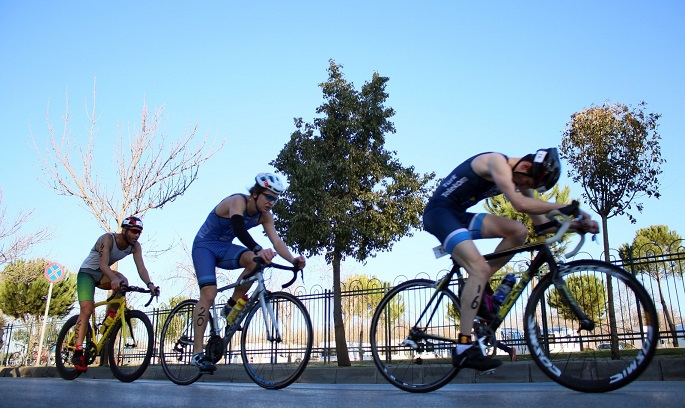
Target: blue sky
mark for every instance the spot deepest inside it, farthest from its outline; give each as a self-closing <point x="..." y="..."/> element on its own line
<point x="465" y="77"/>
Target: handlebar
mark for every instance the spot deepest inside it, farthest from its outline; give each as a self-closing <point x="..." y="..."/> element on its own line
<point x="565" y="216"/>
<point x="123" y="288"/>
<point x="262" y="265"/>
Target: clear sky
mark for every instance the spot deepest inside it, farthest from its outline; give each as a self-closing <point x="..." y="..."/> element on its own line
<point x="465" y="77"/>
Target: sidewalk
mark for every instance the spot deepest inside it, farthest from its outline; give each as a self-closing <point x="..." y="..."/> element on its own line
<point x="671" y="369"/>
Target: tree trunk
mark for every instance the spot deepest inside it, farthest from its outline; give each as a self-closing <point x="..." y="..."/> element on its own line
<point x="339" y="326"/>
<point x="613" y="330"/>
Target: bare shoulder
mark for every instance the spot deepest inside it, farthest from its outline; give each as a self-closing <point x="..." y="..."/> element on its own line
<point x="234" y="204"/>
<point x="486" y="164"/>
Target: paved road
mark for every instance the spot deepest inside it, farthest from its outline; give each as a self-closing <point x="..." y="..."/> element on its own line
<point x="55" y="393"/>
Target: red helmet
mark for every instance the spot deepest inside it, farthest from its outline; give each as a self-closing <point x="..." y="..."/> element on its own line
<point x="129" y="222"/>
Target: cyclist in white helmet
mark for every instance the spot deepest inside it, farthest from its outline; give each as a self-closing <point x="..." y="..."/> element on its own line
<point x="446" y="217"/>
<point x="213" y="247"/>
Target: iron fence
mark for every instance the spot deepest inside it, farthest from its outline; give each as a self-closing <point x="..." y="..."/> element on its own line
<point x="660" y="273"/>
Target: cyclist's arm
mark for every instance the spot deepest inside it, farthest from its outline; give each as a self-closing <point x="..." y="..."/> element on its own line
<point x="280" y="246"/>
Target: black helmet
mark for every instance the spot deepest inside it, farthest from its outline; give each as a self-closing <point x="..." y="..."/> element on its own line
<point x="129" y="222"/>
<point x="546" y="169"/>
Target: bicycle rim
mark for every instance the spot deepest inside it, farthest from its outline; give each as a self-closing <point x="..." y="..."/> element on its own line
<point x="574" y="361"/>
<point x="176" y="344"/>
<point x="64" y="350"/>
<point x="130" y="346"/>
<point x="276" y="363"/>
<point x="428" y="366"/>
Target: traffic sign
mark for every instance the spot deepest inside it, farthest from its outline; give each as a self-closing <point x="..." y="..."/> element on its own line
<point x="54" y="272"/>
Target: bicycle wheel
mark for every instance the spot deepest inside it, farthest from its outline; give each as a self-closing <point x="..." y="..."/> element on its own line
<point x="551" y="327"/>
<point x="130" y="346"/>
<point x="273" y="362"/>
<point x="64" y="349"/>
<point x="176" y="344"/>
<point x="402" y="327"/>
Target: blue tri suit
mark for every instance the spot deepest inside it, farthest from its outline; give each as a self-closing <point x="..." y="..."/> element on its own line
<point x="445" y="215"/>
<point x="213" y="246"/>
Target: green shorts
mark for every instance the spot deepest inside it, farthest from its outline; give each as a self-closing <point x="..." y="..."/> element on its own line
<point x="86" y="281"/>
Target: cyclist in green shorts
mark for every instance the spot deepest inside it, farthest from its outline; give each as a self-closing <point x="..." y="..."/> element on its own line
<point x="96" y="271"/>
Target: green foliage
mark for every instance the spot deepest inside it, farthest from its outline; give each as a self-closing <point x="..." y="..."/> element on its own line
<point x="24" y="289"/>
<point x="653" y="241"/>
<point x="365" y="302"/>
<point x="615" y="155"/>
<point x="347" y="195"/>
<point x="590" y="293"/>
<point x="499" y="205"/>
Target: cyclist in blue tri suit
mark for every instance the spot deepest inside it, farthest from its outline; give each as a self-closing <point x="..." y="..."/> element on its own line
<point x="445" y="216"/>
<point x="213" y="248"/>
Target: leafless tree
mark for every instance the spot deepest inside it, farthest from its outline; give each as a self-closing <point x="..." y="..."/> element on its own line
<point x="150" y="174"/>
<point x="14" y="242"/>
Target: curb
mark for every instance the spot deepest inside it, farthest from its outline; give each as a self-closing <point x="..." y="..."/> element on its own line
<point x="519" y="372"/>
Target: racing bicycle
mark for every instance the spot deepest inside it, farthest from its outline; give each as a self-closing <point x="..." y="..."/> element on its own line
<point x="129" y="339"/>
<point x="570" y="309"/>
<point x="275" y="335"/>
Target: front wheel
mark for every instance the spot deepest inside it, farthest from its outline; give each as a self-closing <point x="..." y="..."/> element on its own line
<point x="275" y="348"/>
<point x="412" y="336"/>
<point x="130" y="346"/>
<point x="176" y="344"/>
<point x="64" y="349"/>
<point x="621" y="310"/>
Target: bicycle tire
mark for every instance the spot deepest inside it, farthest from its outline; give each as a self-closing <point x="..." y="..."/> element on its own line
<point x="176" y="344"/>
<point x="277" y="364"/>
<point x="64" y="349"/>
<point x="428" y="367"/>
<point x="130" y="346"/>
<point x="576" y="363"/>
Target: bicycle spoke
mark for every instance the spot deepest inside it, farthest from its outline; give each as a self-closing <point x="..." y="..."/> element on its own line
<point x="276" y="352"/>
<point x="577" y="361"/>
<point x="408" y="336"/>
<point x="176" y="344"/>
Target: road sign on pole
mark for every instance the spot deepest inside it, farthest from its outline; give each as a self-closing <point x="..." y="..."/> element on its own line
<point x="54" y="272"/>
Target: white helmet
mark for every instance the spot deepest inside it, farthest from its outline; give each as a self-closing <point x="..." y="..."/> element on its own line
<point x="271" y="182"/>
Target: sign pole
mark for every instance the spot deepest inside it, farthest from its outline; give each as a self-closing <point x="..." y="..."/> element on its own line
<point x="53" y="273"/>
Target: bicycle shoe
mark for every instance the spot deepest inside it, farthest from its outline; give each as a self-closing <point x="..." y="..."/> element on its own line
<point x="200" y="361"/>
<point x="474" y="358"/>
<point x="79" y="362"/>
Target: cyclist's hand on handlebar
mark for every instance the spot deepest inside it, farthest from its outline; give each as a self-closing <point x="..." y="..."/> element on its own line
<point x="585" y="223"/>
<point x="267" y="254"/>
<point x="299" y="262"/>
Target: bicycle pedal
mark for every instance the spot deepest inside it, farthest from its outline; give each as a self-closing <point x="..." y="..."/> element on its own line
<point x="487" y="372"/>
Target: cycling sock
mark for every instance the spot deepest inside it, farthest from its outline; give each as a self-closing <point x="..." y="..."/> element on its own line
<point x="464" y="343"/>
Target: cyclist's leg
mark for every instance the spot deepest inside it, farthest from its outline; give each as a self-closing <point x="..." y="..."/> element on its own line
<point x="85" y="287"/>
<point x="106" y="284"/>
<point x="513" y="234"/>
<point x="204" y="261"/>
<point x="238" y="257"/>
<point x="456" y="231"/>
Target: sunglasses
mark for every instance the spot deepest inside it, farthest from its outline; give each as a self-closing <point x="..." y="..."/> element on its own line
<point x="270" y="198"/>
<point x="135" y="231"/>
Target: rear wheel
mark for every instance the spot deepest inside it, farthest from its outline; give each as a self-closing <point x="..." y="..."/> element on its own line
<point x="551" y="327"/>
<point x="130" y="346"/>
<point x="400" y="332"/>
<point x="65" y="347"/>
<point x="176" y="344"/>
<point x="270" y="361"/>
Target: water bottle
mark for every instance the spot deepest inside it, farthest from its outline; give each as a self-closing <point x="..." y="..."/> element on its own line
<point x="235" y="310"/>
<point x="107" y="322"/>
<point x="503" y="289"/>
